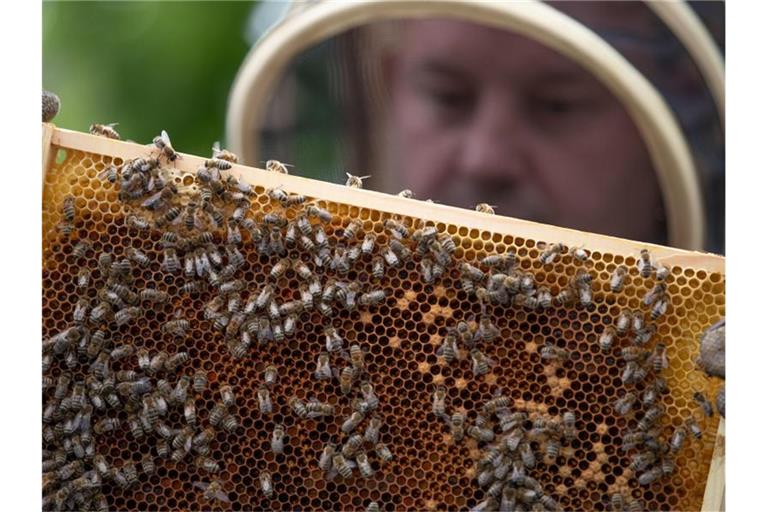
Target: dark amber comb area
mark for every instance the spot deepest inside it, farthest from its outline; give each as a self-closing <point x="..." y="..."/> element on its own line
<point x="400" y="339"/>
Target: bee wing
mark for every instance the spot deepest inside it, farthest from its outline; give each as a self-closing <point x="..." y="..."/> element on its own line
<point x="112" y="125"/>
<point x="331" y="474"/>
<point x="201" y="485"/>
<point x="216" y="148"/>
<point x="164" y="137"/>
<point x="222" y="496"/>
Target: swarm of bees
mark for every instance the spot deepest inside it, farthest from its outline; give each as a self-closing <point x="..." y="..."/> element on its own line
<point x="206" y="232"/>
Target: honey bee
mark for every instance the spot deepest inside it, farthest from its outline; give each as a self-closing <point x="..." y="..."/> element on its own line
<point x="217" y="414"/>
<point x="227" y="395"/>
<point x="704" y="403"/>
<point x="277" y="166"/>
<point x="105" y="130"/>
<point x="638" y="321"/>
<point x="190" y="412"/>
<point x="363" y="465"/>
<point x="659" y="359"/>
<point x="654" y="293"/>
<point x="486" y="331"/>
<point x="438" y="401"/>
<point x="333" y="342"/>
<point x="618" y="278"/>
<point x="678" y="439"/>
<point x="171" y="261"/>
<point x="177" y="327"/>
<point x="659" y="308"/>
<point x="163" y="143"/>
<point x="624" y="405"/>
<point x="270" y="375"/>
<point x="326" y="456"/>
<point x="372" y="430"/>
<point x="480" y="363"/>
<point x="352" y="422"/>
<point x="323" y="370"/>
<point x="480" y="434"/>
<point x="278" y="434"/>
<point x="644" y="264"/>
<point x="377" y="271"/>
<point x="298" y="406"/>
<point x="383" y="452"/>
<point x="606" y="338"/>
<point x="366" y="389"/>
<point x="456" y="424"/>
<point x="544" y="297"/>
<point x="645" y="334"/>
<point x="342" y="466"/>
<point x="265" y="402"/>
<point x="372" y="507"/>
<point x="320" y="213"/>
<point x="551" y="253"/>
<point x="551" y="352"/>
<point x="527" y="455"/>
<point x="352" y="446"/>
<point x="176" y="360"/>
<point x="355" y="181"/>
<point x="350" y="232"/>
<point x="212" y="491"/>
<point x="396" y="229"/>
<point x="579" y="254"/>
<point x="662" y="273"/>
<point x="485" y="208"/>
<point x="693" y="428"/>
<point x="623" y="321"/>
<point x="372" y="298"/>
<point x="650" y="476"/>
<point x="651" y="415"/>
<point x="346" y="378"/>
<point x="280" y="268"/>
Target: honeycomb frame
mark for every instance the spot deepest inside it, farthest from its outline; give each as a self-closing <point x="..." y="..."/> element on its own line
<point x="429" y="472"/>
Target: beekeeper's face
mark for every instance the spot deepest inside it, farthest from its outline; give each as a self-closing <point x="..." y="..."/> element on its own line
<point x="484" y="115"/>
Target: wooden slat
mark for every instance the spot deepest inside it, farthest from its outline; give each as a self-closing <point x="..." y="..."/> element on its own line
<point x="714" y="494"/>
<point x="408" y="207"/>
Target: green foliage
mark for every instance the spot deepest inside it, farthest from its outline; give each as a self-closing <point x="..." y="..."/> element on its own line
<point x="147" y="65"/>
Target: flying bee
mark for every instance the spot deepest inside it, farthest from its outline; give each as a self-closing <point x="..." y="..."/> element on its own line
<point x="265" y="402"/>
<point x="105" y="130"/>
<point x="486" y="208"/>
<point x="659" y="308"/>
<point x="163" y="143"/>
<point x="278" y="435"/>
<point x="644" y="263"/>
<point x="704" y="403"/>
<point x="363" y="465"/>
<point x="277" y="166"/>
<point x="355" y="181"/>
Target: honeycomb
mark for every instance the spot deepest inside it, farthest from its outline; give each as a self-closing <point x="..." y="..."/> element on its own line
<point x="400" y="339"/>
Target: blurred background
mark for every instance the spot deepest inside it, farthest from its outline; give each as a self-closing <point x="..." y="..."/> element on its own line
<point x="146" y="65"/>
